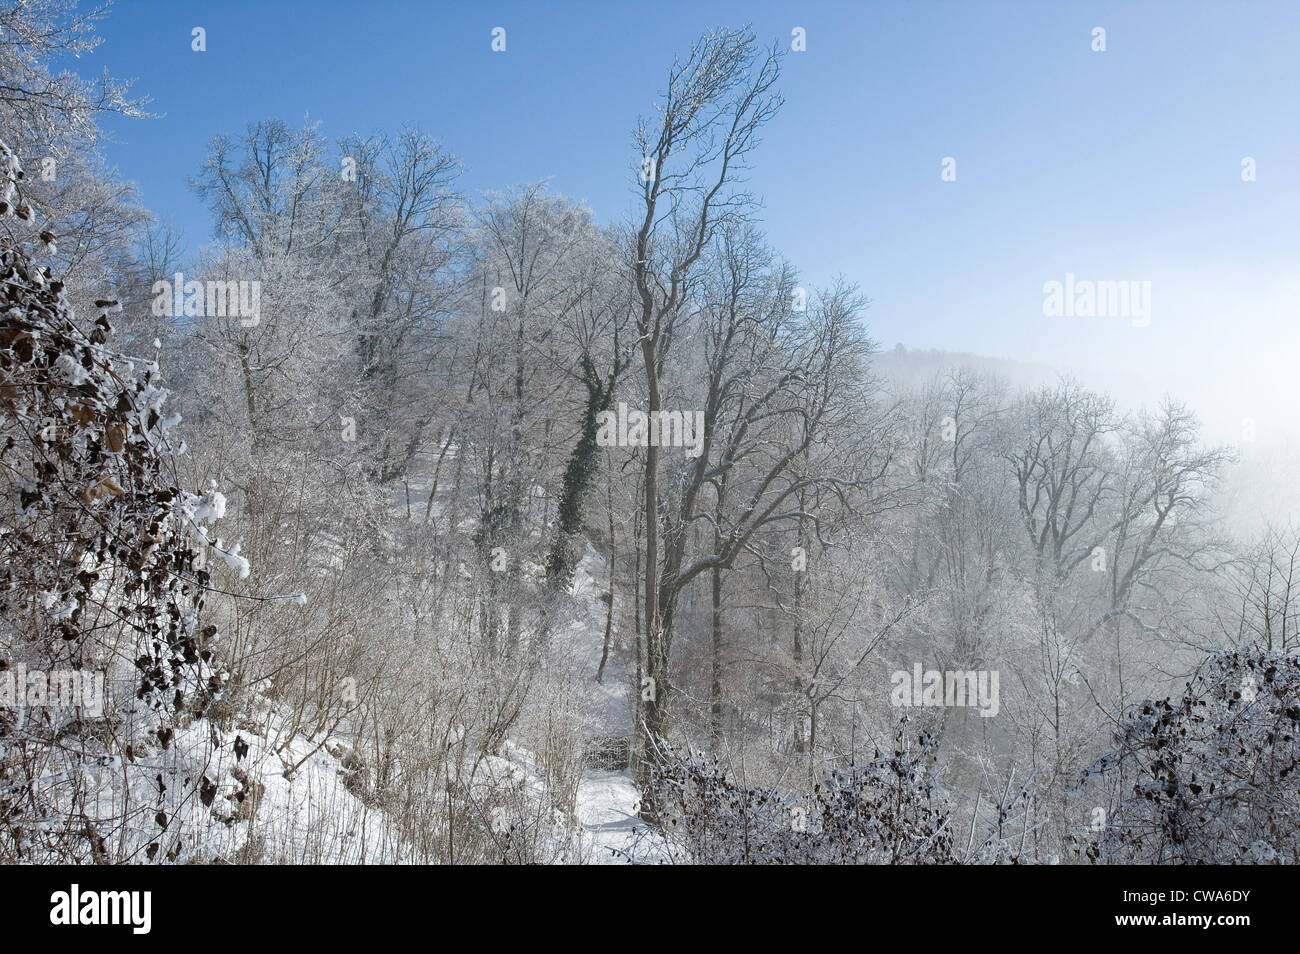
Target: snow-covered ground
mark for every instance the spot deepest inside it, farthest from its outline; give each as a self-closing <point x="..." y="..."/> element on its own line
<point x="607" y="799"/>
<point x="607" y="810"/>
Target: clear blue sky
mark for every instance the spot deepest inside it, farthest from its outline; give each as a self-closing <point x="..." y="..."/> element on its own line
<point x="1117" y="165"/>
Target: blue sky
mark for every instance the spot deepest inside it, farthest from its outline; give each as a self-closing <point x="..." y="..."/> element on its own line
<point x="1122" y="165"/>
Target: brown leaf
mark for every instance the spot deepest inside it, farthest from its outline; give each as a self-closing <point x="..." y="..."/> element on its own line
<point x="107" y="485"/>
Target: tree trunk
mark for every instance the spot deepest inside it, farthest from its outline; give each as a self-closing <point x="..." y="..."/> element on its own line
<point x="613" y="562"/>
<point x="715" y="691"/>
<point x="654" y="692"/>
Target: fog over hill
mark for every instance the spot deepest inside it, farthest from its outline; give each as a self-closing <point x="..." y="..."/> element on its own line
<point x="1260" y="488"/>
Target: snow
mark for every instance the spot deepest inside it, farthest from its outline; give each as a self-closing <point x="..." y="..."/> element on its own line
<point x="211" y="506"/>
<point x="70" y="370"/>
<point x="232" y="559"/>
<point x="607" y="800"/>
<point x="304" y="816"/>
<point x="607" y="807"/>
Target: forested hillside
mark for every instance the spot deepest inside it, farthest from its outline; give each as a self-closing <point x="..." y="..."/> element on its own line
<point x="406" y="523"/>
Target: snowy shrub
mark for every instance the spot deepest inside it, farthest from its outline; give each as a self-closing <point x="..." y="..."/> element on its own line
<point x="102" y="577"/>
<point x="888" y="811"/>
<point x="1210" y="777"/>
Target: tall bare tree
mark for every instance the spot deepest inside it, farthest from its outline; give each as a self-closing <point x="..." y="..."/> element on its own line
<point x="715" y="103"/>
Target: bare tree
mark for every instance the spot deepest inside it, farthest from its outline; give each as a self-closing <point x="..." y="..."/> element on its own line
<point x="716" y="102"/>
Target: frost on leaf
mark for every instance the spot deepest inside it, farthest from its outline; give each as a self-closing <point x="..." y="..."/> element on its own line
<point x="97" y="572"/>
